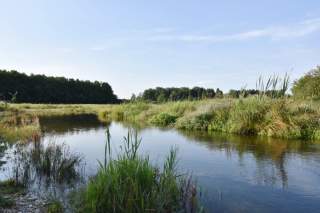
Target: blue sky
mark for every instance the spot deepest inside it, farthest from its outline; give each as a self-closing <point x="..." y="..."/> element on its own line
<point x="139" y="44"/>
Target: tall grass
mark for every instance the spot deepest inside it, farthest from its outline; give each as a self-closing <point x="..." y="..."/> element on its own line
<point x="52" y="163"/>
<point x="273" y="86"/>
<point x="272" y="115"/>
<point x="15" y="126"/>
<point x="130" y="183"/>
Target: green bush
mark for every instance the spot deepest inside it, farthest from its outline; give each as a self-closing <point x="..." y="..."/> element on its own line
<point x="220" y="119"/>
<point x="308" y="86"/>
<point x="163" y="119"/>
<point x="195" y="122"/>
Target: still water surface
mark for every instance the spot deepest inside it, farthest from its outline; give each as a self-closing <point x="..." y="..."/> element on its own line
<point x="236" y="174"/>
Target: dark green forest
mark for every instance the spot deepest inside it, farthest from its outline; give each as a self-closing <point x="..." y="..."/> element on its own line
<point x="22" y="88"/>
<point x="161" y="94"/>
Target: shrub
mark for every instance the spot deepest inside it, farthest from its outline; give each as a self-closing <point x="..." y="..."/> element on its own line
<point x="220" y="119"/>
<point x="308" y="86"/>
<point x="163" y="119"/>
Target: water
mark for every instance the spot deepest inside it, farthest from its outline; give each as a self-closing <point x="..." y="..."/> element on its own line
<point x="236" y="174"/>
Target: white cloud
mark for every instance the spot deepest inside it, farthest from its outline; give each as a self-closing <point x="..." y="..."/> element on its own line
<point x="279" y="32"/>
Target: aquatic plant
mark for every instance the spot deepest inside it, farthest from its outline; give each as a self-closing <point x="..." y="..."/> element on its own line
<point x="55" y="206"/>
<point x="55" y="162"/>
<point x="130" y="183"/>
<point x="7" y="189"/>
<point x="16" y="126"/>
<point x="52" y="163"/>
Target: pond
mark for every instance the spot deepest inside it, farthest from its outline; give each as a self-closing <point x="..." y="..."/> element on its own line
<point x="235" y="173"/>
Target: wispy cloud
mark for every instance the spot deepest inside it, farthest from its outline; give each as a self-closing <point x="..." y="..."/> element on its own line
<point x="278" y="32"/>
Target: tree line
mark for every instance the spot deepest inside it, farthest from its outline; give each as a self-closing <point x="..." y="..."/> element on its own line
<point x="160" y="94"/>
<point x="23" y="88"/>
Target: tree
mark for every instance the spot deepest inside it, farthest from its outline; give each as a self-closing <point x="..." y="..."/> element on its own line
<point x="308" y="86"/>
<point x="19" y="87"/>
<point x="160" y="94"/>
<point x="219" y="93"/>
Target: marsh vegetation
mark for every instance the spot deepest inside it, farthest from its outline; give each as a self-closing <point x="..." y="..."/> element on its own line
<point x="128" y="179"/>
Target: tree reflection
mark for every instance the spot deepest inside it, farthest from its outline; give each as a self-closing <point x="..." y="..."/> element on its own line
<point x="270" y="154"/>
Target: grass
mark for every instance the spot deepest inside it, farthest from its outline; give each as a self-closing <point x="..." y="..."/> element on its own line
<point x="275" y="116"/>
<point x="54" y="163"/>
<point x="130" y="183"/>
<point x="16" y="126"/>
<point x="9" y="188"/>
<point x="57" y="109"/>
<point x="260" y="115"/>
<point x="55" y="206"/>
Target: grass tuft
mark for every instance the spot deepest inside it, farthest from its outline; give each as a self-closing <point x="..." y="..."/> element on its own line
<point x="130" y="183"/>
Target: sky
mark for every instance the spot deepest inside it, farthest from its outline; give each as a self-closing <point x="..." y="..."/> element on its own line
<point x="140" y="44"/>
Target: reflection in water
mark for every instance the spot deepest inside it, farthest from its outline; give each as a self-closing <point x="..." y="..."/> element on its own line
<point x="237" y="173"/>
<point x="48" y="170"/>
<point x="267" y="151"/>
<point x="59" y="125"/>
<point x="3" y="148"/>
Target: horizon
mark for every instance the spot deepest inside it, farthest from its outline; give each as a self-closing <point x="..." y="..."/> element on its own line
<point x="134" y="46"/>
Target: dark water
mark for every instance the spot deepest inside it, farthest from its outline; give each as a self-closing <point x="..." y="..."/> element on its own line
<point x="236" y="174"/>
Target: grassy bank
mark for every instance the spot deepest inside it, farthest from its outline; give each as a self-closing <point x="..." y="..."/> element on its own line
<point x="20" y="121"/>
<point x="57" y="109"/>
<point x="15" y="126"/>
<point x="280" y="117"/>
<point x="283" y="117"/>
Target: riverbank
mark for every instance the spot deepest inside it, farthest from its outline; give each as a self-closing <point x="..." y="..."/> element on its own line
<point x="281" y="118"/>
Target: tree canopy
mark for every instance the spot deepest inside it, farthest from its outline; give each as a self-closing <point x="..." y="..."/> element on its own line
<point x="161" y="94"/>
<point x="23" y="88"/>
<point x="308" y="86"/>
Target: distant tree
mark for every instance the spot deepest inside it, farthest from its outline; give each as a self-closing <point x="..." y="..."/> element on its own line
<point x="219" y="93"/>
<point x="19" y="87"/>
<point x="234" y="93"/>
<point x="133" y="97"/>
<point x="160" y="94"/>
<point x="308" y="86"/>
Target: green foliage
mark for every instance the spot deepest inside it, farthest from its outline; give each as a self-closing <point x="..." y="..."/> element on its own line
<point x="308" y="86"/>
<point x="254" y="115"/>
<point x="195" y="121"/>
<point x="160" y="94"/>
<point x="18" y="126"/>
<point x="5" y="202"/>
<point x="242" y="93"/>
<point x="55" y="162"/>
<point x="55" y="206"/>
<point x="7" y="189"/>
<point x="273" y="86"/>
<point x="21" y="88"/>
<point x="163" y="119"/>
<point x="129" y="183"/>
<point x="246" y="116"/>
